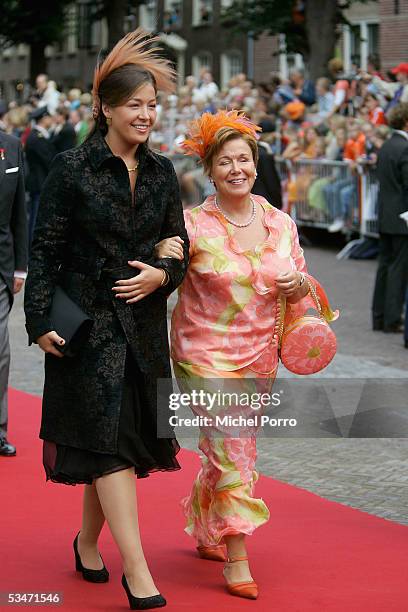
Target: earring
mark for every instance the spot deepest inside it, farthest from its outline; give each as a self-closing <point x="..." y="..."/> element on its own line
<point x="211" y="180"/>
<point x="108" y="120"/>
<point x="256" y="173"/>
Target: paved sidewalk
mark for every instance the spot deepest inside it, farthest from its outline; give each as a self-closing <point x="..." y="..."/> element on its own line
<point x="369" y="474"/>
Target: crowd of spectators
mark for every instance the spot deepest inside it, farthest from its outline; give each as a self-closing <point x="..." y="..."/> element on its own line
<point x="341" y="118"/>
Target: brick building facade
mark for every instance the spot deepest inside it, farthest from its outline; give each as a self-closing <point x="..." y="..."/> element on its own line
<point x="393" y="16"/>
<point x="190" y="29"/>
<point x="195" y="38"/>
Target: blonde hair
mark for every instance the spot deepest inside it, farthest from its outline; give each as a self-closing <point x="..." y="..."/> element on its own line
<point x="224" y="135"/>
<point x="335" y="65"/>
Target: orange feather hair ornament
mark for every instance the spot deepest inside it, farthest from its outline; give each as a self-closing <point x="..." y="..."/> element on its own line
<point x="204" y="129"/>
<point x="135" y="48"/>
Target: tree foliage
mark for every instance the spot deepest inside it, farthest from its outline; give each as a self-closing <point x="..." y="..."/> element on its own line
<point x="32" y="22"/>
<point x="270" y="17"/>
<point x="303" y="22"/>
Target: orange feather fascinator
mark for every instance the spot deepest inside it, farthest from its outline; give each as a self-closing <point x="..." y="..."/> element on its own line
<point x="138" y="48"/>
<point x="204" y="129"/>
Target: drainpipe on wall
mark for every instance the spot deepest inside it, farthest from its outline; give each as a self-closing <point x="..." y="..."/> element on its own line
<point x="250" y="56"/>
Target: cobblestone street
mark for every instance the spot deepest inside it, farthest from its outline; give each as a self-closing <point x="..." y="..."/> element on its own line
<point x="369" y="474"/>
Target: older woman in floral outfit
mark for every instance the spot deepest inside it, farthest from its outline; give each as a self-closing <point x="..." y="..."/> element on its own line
<point x="243" y="254"/>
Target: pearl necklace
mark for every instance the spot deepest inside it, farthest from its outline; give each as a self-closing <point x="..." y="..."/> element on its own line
<point x="232" y="221"/>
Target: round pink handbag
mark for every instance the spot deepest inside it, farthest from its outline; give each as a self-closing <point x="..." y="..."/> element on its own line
<point x="307" y="344"/>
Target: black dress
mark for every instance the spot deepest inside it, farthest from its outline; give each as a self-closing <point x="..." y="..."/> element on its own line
<point x="138" y="444"/>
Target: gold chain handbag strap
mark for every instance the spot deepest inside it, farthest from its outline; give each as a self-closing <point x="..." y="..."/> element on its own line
<point x="281" y="310"/>
<point x="280" y="319"/>
<point x="313" y="293"/>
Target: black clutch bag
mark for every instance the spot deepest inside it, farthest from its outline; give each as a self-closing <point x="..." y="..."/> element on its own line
<point x="70" y="322"/>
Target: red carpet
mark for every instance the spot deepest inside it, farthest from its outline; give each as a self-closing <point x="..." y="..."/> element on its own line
<point x="312" y="555"/>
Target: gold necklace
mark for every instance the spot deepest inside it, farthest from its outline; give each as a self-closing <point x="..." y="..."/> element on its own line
<point x="133" y="169"/>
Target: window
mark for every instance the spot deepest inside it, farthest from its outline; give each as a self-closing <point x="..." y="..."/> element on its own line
<point x="173" y="15"/>
<point x="360" y="41"/>
<point x="72" y="29"/>
<point x="373" y="39"/>
<point x="89" y="31"/>
<point x="231" y="65"/>
<point x="148" y="15"/>
<point x="95" y="34"/>
<point x="130" y="23"/>
<point x="355" y="45"/>
<point x="104" y="34"/>
<point x="8" y="51"/>
<point x="22" y="50"/>
<point x="202" y="12"/>
<point x="49" y="51"/>
<point x="288" y="61"/>
<point x="200" y="61"/>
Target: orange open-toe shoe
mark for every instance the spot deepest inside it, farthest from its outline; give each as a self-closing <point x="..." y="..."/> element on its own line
<point x="249" y="590"/>
<point x="214" y="552"/>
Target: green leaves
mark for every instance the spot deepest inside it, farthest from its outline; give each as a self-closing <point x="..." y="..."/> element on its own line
<point x="30" y="22"/>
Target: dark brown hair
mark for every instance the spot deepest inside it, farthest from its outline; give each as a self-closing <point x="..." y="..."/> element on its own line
<point x="224" y="135"/>
<point x="118" y="87"/>
<point x="398" y="117"/>
<point x="63" y="111"/>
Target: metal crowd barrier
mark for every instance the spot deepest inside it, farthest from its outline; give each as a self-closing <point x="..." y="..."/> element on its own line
<point x="369" y="198"/>
<point x="316" y="192"/>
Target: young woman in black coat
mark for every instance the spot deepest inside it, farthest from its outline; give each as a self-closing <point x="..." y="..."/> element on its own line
<point x="103" y="208"/>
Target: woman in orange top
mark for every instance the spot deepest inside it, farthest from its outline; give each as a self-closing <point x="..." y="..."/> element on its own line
<point x="355" y="145"/>
<point x="376" y="114"/>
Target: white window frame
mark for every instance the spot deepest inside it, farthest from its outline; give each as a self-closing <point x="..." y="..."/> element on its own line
<point x="9" y="52"/>
<point x="198" y="64"/>
<point x="71" y="40"/>
<point x="95" y="34"/>
<point x="167" y="8"/>
<point x="196" y="13"/>
<point x="49" y="51"/>
<point x="104" y="33"/>
<point x="284" y="67"/>
<point x="148" y="15"/>
<point x="22" y="50"/>
<point x="226" y="65"/>
<point x="346" y="52"/>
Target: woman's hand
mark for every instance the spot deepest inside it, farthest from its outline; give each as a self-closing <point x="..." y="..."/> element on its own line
<point x="136" y="288"/>
<point x="170" y="247"/>
<point x="292" y="287"/>
<point x="48" y="341"/>
<point x="18" y="284"/>
<point x="288" y="283"/>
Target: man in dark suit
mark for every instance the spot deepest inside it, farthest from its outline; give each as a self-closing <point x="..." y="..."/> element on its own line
<point x="39" y="154"/>
<point x="267" y="183"/>
<point x="13" y="259"/>
<point x="64" y="135"/>
<point x="392" y="273"/>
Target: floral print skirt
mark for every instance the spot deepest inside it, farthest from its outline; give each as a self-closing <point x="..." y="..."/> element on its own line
<point x="222" y="501"/>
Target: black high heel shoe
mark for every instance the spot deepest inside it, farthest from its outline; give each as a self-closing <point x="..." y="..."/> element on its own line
<point x="142" y="603"/>
<point x="89" y="574"/>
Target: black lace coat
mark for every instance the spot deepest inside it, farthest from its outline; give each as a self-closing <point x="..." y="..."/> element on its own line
<point x="87" y="230"/>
